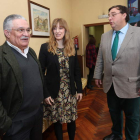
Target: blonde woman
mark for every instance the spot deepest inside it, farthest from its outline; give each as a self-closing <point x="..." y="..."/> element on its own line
<point x="63" y="86"/>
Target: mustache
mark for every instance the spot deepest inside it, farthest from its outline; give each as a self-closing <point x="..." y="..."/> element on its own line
<point x="24" y="37"/>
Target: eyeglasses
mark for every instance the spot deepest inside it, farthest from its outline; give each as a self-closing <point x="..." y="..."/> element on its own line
<point x="113" y="15"/>
<point x="22" y="30"/>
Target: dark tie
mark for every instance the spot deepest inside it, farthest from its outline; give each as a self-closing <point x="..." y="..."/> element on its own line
<point x="115" y="45"/>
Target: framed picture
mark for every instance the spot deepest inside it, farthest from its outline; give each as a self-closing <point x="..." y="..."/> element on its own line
<point x="134" y="11"/>
<point x="39" y="18"/>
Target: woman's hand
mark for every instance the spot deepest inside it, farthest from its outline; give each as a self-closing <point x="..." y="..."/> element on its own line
<point x="79" y="97"/>
<point x="49" y="100"/>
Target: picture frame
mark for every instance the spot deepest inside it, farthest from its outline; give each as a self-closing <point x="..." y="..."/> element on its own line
<point x="134" y="11"/>
<point x="39" y="19"/>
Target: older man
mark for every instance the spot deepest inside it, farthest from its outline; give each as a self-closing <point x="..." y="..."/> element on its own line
<point x="21" y="84"/>
<point x="119" y="60"/>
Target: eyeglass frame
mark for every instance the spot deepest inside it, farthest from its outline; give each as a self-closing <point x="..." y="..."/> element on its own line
<point x="113" y="15"/>
<point x="23" y="30"/>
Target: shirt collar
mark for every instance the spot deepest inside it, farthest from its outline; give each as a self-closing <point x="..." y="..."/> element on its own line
<point x="123" y="30"/>
<point x="26" y="50"/>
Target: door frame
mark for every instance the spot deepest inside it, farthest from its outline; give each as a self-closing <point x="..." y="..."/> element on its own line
<point x="85" y="38"/>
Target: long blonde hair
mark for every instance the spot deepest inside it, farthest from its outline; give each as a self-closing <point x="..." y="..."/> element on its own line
<point x="69" y="49"/>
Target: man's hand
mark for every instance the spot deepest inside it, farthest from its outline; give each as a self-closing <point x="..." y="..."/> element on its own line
<point x="139" y="92"/>
<point x="49" y="101"/>
<point x="98" y="82"/>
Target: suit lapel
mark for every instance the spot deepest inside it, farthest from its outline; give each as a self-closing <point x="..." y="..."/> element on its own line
<point x="34" y="56"/>
<point x="10" y="58"/>
<point x="126" y="40"/>
<point x="109" y="43"/>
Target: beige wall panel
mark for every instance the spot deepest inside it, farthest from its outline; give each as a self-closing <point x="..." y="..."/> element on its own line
<point x="87" y="12"/>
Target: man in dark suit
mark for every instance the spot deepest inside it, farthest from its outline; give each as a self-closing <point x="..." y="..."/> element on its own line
<point x="119" y="60"/>
<point x="21" y="84"/>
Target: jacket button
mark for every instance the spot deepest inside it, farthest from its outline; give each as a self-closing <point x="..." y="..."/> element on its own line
<point x="112" y="75"/>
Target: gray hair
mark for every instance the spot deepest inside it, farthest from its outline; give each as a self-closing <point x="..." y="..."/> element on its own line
<point x="7" y="24"/>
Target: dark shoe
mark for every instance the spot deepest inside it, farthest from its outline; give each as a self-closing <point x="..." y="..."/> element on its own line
<point x="112" y="137"/>
<point x="90" y="87"/>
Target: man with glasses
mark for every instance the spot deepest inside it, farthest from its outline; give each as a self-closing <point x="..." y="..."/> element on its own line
<point x="119" y="60"/>
<point x="21" y="84"/>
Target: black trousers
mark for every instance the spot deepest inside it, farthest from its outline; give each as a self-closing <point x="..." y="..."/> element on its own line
<point x="28" y="129"/>
<point x="90" y="76"/>
<point x="71" y="127"/>
<point x="131" y="110"/>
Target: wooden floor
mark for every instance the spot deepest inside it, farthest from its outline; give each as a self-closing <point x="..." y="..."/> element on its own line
<point x="93" y="121"/>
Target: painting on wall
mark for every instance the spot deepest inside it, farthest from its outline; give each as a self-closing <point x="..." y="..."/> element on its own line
<point x="39" y="17"/>
<point x="134" y="11"/>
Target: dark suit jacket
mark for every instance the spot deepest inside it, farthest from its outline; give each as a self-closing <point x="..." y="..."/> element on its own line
<point x="50" y="63"/>
<point x="11" y="86"/>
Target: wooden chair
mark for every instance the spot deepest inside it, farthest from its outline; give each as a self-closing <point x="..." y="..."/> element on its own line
<point x="84" y="85"/>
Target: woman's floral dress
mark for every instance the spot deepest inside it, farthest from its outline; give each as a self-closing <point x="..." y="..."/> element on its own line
<point x="64" y="108"/>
